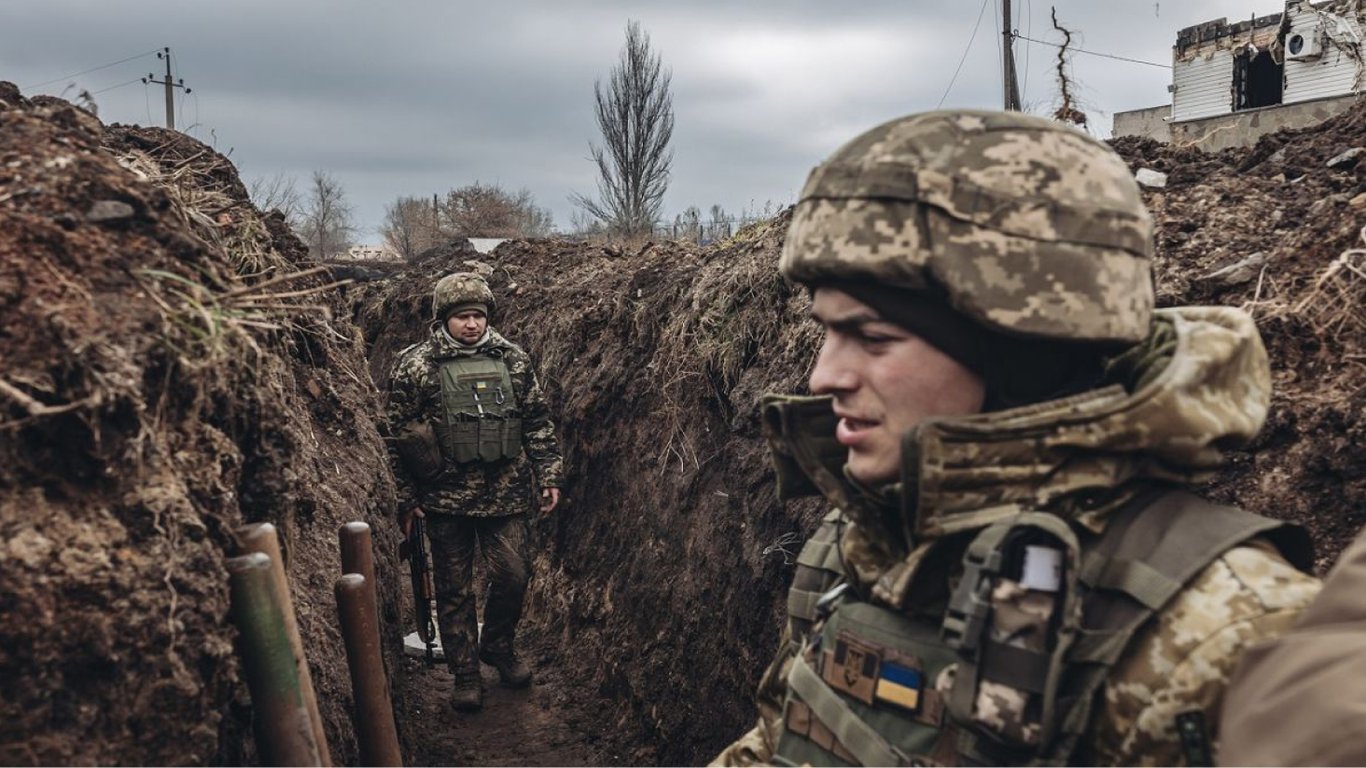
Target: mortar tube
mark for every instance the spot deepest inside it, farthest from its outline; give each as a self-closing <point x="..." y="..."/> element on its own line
<point x="375" y="729"/>
<point x="262" y="537"/>
<point x="284" y="733"/>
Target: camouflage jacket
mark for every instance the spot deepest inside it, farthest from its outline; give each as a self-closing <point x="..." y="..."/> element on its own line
<point x="1201" y="382"/>
<point x="475" y="489"/>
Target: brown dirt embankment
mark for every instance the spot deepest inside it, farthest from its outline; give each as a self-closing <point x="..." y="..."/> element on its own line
<point x="165" y="377"/>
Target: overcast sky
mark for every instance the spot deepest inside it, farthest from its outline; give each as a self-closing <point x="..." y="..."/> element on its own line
<point x="412" y="97"/>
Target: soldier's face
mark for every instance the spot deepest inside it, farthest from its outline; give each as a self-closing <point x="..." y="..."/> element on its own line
<point x="885" y="381"/>
<point x="468" y="326"/>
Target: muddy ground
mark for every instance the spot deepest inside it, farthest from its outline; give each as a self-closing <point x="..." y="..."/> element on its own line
<point x="167" y="374"/>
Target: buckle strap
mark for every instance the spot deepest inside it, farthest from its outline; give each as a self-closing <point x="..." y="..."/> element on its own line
<point x="1015" y="667"/>
<point x="1133" y="577"/>
<point x="801" y="603"/>
<point x="857" y="736"/>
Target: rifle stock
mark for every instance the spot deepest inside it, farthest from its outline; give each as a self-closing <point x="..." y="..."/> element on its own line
<point x="414" y="550"/>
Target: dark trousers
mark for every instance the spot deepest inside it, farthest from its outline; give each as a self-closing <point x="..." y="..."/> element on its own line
<point x="456" y="540"/>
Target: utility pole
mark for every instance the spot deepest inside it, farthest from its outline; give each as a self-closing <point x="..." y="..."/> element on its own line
<point x="1010" y="88"/>
<point x="165" y="53"/>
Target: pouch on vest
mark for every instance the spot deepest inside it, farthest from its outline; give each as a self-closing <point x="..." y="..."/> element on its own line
<point x="419" y="451"/>
<point x="479" y="421"/>
<point x="1012" y="619"/>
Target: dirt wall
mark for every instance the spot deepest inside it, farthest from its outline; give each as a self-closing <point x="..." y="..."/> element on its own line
<point x="166" y="375"/>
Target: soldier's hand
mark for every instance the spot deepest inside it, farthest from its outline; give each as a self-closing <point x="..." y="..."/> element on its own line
<point x="405" y="520"/>
<point x="550" y="497"/>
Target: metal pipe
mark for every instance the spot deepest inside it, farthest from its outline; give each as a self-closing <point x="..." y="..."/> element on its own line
<point x="262" y="537"/>
<point x="284" y="733"/>
<point x="375" y="729"/>
<point x="357" y="553"/>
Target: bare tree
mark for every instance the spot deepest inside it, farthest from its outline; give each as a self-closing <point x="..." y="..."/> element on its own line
<point x="635" y="114"/>
<point x="719" y="226"/>
<point x="326" y="227"/>
<point x="487" y="210"/>
<point x="410" y="226"/>
<point x="277" y="193"/>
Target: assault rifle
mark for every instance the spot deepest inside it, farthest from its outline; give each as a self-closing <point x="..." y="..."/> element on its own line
<point x="414" y="550"/>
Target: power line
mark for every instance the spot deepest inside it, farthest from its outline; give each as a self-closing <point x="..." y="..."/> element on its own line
<point x="1094" y="53"/>
<point x="120" y="85"/>
<point x="87" y="71"/>
<point x="964" y="57"/>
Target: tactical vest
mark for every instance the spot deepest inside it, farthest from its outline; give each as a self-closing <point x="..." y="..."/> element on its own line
<point x="1004" y="669"/>
<point x="480" y="419"/>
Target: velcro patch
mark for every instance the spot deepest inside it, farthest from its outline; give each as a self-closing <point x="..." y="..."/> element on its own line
<point x="900" y="684"/>
<point x="852" y="667"/>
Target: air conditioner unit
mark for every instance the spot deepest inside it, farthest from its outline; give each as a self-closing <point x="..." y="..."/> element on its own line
<point x="1303" y="46"/>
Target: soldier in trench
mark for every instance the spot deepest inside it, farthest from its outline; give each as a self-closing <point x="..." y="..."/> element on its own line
<point x="472" y="439"/>
<point x="1013" y="571"/>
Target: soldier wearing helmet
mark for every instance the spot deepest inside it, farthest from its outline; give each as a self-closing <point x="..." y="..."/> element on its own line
<point x="472" y="434"/>
<point x="1012" y="571"/>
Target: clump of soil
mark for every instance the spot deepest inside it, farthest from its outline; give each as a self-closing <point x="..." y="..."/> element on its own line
<point x="169" y="373"/>
<point x="1276" y="230"/>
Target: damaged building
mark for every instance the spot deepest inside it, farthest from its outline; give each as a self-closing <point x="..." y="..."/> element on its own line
<point x="1231" y="83"/>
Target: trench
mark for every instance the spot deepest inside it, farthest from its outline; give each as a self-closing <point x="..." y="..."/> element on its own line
<point x="142" y="427"/>
<point x="661" y="560"/>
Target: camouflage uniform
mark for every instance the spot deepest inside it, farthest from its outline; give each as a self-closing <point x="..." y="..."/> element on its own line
<point x="480" y="503"/>
<point x="1037" y="230"/>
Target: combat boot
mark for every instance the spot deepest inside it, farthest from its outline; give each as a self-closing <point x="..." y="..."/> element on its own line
<point x="511" y="669"/>
<point x="468" y="693"/>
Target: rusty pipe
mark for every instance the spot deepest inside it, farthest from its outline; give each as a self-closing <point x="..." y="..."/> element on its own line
<point x="357" y="556"/>
<point x="284" y="733"/>
<point x="375" y="729"/>
<point x="262" y="537"/>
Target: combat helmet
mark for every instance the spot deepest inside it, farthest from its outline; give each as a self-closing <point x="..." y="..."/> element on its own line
<point x="460" y="291"/>
<point x="1026" y="226"/>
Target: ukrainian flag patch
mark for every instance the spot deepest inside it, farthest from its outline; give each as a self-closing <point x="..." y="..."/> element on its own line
<point x="899" y="684"/>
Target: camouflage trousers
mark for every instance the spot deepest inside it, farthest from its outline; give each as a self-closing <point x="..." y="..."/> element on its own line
<point x="456" y="541"/>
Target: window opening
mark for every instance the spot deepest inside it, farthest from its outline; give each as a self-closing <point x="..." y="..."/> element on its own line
<point x="1258" y="80"/>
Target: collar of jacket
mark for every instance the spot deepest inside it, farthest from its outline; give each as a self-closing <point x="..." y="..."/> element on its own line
<point x="1080" y="457"/>
<point x="444" y="346"/>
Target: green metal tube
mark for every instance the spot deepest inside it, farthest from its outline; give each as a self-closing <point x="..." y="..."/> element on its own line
<point x="375" y="729"/>
<point x="284" y="733"/>
<point x="263" y="538"/>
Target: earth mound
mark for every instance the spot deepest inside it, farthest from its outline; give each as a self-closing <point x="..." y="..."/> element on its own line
<point x="170" y="372"/>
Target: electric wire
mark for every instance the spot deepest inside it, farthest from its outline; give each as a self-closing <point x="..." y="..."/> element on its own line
<point x="964" y="57"/>
<point x="120" y="85"/>
<point x="1070" y="49"/>
<point x="87" y="71"/>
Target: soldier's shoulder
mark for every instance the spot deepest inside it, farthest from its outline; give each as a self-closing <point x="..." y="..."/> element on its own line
<point x="1183" y="660"/>
<point x="1238" y="589"/>
<point x="411" y="358"/>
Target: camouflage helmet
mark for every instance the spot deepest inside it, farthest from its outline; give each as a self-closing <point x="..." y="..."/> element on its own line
<point x="1028" y="226"/>
<point x="459" y="291"/>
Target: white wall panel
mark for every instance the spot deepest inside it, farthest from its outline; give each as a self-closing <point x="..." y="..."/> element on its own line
<point x="1203" y="86"/>
<point x="1332" y="74"/>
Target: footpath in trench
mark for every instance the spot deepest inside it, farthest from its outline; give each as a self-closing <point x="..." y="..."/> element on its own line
<point x="546" y="724"/>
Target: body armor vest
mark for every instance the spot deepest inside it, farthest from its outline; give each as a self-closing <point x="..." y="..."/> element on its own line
<point x="480" y="419"/>
<point x="1003" y="669"/>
